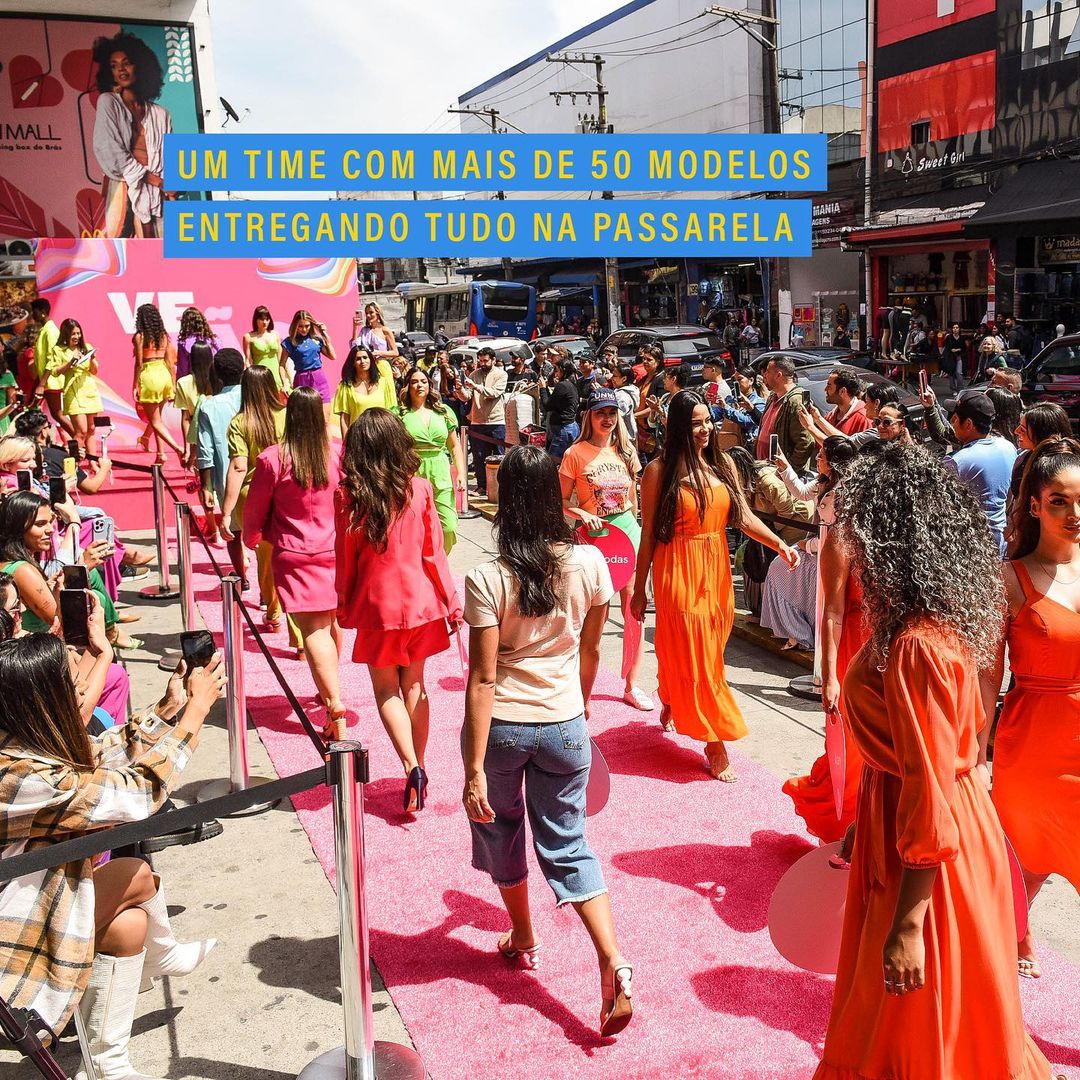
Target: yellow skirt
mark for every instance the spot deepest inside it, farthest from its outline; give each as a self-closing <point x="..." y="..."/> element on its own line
<point x="155" y="382"/>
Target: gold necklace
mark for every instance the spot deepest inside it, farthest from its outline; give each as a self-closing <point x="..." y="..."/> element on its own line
<point x="1052" y="577"/>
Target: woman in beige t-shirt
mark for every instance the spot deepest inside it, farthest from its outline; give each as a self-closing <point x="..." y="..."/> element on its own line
<point x="536" y="615"/>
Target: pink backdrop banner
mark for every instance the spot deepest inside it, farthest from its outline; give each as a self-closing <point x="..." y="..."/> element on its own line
<point x="101" y="283"/>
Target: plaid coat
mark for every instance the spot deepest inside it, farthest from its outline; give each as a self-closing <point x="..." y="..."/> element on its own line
<point x="47" y="918"/>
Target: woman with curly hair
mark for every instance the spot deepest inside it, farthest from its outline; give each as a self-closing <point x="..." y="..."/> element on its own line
<point x="194" y="330"/>
<point x="1036" y="751"/>
<point x="926" y="984"/>
<point x="394" y="585"/>
<point x="155" y="376"/>
<point x="689" y="496"/>
<point x="129" y="134"/>
<point x="433" y="428"/>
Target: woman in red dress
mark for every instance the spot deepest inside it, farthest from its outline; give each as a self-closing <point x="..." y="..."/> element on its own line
<point x="1037" y="747"/>
<point x="394" y="585"/>
<point x="926" y="985"/>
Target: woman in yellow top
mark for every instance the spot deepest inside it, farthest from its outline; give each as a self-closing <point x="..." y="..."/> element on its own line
<point x="260" y="423"/>
<point x="155" y="374"/>
<point x="73" y="362"/>
<point x="262" y="346"/>
<point x="365" y="384"/>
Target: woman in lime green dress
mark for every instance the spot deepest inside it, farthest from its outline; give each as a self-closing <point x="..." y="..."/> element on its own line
<point x="365" y="384"/>
<point x="262" y="346"/>
<point x="75" y="364"/>
<point x="433" y="428"/>
<point x="9" y="388"/>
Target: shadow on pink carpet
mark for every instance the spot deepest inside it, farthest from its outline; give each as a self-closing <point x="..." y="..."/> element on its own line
<point x="690" y="864"/>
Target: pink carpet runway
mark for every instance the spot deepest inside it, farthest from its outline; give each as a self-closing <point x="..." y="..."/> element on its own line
<point x="690" y="863"/>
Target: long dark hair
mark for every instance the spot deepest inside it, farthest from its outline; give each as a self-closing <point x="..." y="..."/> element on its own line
<point x="149" y="324"/>
<point x="348" y="369"/>
<point x="306" y="444"/>
<point x="1046" y="420"/>
<point x="17" y="513"/>
<point x="680" y="455"/>
<point x="260" y="404"/>
<point x="149" y="77"/>
<point x="1048" y="459"/>
<point x="377" y="466"/>
<point x="38" y="707"/>
<point x="433" y="400"/>
<point x="529" y="524"/>
<point x="1008" y="408"/>
<point x="743" y="461"/>
<point x="839" y="452"/>
<point x="202" y="369"/>
<point x="67" y="327"/>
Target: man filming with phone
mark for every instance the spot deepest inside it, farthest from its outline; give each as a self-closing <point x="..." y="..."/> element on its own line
<point x="781" y="416"/>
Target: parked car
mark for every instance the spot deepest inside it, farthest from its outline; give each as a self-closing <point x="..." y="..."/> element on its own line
<point x="690" y="345"/>
<point x="815" y="376"/>
<point x="577" y="345"/>
<point x="505" y="350"/>
<point x="810" y="356"/>
<point x="417" y="340"/>
<point x="1054" y="376"/>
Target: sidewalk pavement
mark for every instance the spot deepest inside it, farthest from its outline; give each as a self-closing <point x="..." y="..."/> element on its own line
<point x="266" y="1001"/>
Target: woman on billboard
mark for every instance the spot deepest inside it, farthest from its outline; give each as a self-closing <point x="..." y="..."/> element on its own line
<point x="129" y="135"/>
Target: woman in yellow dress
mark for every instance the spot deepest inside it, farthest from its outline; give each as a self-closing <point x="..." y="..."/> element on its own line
<point x="365" y="384"/>
<point x="73" y="361"/>
<point x="262" y="346"/>
<point x="155" y="374"/>
<point x="689" y="495"/>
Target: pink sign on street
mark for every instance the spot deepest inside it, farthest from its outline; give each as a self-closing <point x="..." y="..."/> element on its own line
<point x="102" y="283"/>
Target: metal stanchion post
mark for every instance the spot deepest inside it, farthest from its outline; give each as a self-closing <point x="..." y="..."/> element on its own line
<point x="235" y="705"/>
<point x="468" y="513"/>
<point x="163" y="590"/>
<point x="171" y="657"/>
<point x="809" y="686"/>
<point x="361" y="1058"/>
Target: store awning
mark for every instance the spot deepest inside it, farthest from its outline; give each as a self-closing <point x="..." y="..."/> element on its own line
<point x="931" y="215"/>
<point x="1039" y="194"/>
<point x="891" y="234"/>
<point x="549" y="295"/>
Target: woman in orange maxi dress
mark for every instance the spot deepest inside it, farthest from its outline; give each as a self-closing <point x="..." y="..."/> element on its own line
<point x="926" y="985"/>
<point x="688" y="498"/>
<point x="1037" y="747"/>
<point x="813" y="794"/>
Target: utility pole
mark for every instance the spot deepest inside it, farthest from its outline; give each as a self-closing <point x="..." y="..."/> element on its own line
<point x="595" y="125"/>
<point x="492" y="116"/>
<point x="751" y="21"/>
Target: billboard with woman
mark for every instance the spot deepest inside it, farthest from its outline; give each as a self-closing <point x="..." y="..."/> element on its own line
<point x="84" y="108"/>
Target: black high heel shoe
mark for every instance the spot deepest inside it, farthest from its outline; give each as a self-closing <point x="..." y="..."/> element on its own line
<point x="415" y="782"/>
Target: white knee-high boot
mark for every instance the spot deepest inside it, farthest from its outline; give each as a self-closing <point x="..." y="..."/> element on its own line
<point x="164" y="955"/>
<point x="106" y="1013"/>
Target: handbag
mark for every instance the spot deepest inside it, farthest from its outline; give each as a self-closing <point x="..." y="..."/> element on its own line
<point x="756" y="560"/>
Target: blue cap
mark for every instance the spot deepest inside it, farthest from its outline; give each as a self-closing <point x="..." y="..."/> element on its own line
<point x="603" y="398"/>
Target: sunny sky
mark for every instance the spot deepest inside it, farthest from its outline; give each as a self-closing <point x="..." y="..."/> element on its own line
<point x="356" y="66"/>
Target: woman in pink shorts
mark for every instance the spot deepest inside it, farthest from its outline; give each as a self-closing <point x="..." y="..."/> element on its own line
<point x="394" y="585"/>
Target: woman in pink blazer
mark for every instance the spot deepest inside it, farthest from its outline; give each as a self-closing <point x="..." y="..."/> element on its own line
<point x="393" y="581"/>
<point x="290" y="504"/>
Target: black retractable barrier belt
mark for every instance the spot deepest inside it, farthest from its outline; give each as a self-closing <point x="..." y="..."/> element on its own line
<point x="131" y="466"/>
<point x="84" y="847"/>
<point x="791" y="523"/>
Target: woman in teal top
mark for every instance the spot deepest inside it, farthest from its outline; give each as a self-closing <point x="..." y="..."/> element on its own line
<point x="433" y="428"/>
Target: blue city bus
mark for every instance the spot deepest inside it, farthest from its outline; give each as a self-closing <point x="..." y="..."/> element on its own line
<point x="472" y="308"/>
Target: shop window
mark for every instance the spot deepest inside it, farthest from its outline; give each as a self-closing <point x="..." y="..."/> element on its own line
<point x="920" y="133"/>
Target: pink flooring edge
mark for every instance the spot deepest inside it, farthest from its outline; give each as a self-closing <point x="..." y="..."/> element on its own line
<point x="690" y="864"/>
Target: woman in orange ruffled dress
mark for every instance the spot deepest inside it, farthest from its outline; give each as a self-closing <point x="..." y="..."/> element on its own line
<point x="843" y="633"/>
<point x="1037" y="747"/>
<point x="926" y="985"/>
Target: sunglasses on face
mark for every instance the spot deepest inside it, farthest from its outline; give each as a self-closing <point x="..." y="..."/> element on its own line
<point x="884" y="421"/>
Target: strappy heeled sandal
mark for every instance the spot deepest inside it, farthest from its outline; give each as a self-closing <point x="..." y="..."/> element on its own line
<point x="526" y="959"/>
<point x="334" y="725"/>
<point x="617" y="1009"/>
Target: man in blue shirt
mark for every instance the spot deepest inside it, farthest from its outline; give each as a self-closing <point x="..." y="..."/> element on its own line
<point x="984" y="462"/>
<point x="215" y="415"/>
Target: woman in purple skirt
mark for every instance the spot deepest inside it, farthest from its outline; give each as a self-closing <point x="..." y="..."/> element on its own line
<point x="306" y="344"/>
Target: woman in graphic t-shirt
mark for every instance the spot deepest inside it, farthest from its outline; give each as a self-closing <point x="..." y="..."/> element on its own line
<point x="601" y="469"/>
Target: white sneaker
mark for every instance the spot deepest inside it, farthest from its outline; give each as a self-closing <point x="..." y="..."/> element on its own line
<point x="639" y="699"/>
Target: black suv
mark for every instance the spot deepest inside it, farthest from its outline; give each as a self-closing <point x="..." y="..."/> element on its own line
<point x="1054" y="376"/>
<point x="690" y="345"/>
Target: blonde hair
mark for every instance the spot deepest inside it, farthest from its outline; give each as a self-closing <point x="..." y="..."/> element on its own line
<point x="13" y="447"/>
<point x="372" y="306"/>
<point x="621" y="441"/>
